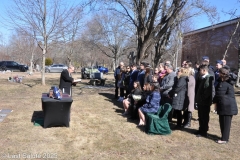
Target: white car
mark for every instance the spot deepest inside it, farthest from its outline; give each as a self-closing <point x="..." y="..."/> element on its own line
<point x="55" y="68"/>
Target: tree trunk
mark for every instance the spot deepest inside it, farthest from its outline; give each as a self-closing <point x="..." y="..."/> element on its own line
<point x="43" y="65"/>
<point x="140" y="52"/>
<point x="31" y="63"/>
<point x="45" y="41"/>
<point x="237" y="84"/>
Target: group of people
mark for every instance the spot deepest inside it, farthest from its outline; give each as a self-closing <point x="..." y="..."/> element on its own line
<point x="143" y="90"/>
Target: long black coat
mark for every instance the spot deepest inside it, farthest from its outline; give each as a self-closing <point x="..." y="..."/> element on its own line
<point x="66" y="82"/>
<point x="204" y="91"/>
<point x="179" y="94"/>
<point x="225" y="99"/>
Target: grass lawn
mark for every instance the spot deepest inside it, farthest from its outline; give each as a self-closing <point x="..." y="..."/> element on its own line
<point x="97" y="129"/>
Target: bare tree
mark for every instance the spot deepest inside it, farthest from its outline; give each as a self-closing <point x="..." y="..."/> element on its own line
<point x="23" y="48"/>
<point x="154" y="21"/>
<point x="44" y="17"/>
<point x="110" y="36"/>
<point x="151" y="18"/>
<point x="237" y="38"/>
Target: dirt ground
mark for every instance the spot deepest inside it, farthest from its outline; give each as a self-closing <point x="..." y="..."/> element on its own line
<point x="97" y="129"/>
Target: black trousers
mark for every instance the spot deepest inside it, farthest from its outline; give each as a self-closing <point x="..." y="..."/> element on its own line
<point x="116" y="88"/>
<point x="121" y="92"/>
<point x="203" y="114"/>
<point x="179" y="117"/>
<point x="225" y="125"/>
<point x="127" y="91"/>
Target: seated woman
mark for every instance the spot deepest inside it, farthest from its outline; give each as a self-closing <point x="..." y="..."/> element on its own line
<point x="133" y="108"/>
<point x="129" y="100"/>
<point x="151" y="105"/>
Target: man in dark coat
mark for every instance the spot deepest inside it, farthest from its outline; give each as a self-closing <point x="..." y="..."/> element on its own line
<point x="66" y="80"/>
<point x="199" y="76"/>
<point x="141" y="74"/>
<point x="219" y="65"/>
<point x="133" y="76"/>
<point x="116" y="76"/>
<point x="166" y="86"/>
<point x="203" y="99"/>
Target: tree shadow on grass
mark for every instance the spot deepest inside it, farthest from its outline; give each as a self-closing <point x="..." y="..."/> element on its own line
<point x="110" y="98"/>
<point x="37" y="81"/>
<point x="120" y="110"/>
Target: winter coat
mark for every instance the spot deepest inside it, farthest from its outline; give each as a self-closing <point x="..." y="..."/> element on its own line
<point x="121" y="80"/>
<point x="140" y="78"/>
<point x="167" y="83"/>
<point x="116" y="73"/>
<point x="204" y="92"/>
<point x="225" y="99"/>
<point x="136" y="91"/>
<point x="127" y="78"/>
<point x="133" y="78"/>
<point x="152" y="103"/>
<point x="191" y="93"/>
<point x="148" y="79"/>
<point x="179" y="93"/>
<point x="199" y="78"/>
<point x="66" y="82"/>
<point x="145" y="94"/>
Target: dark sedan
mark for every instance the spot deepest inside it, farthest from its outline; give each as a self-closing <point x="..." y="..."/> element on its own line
<point x="12" y="66"/>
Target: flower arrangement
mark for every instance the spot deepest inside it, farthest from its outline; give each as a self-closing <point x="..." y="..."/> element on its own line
<point x="136" y="97"/>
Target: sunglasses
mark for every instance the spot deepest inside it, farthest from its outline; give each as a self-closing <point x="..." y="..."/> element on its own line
<point x="128" y="68"/>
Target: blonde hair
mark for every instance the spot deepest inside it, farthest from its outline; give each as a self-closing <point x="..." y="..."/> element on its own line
<point x="184" y="71"/>
<point x="191" y="71"/>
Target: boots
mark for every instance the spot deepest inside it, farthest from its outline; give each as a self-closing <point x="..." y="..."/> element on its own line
<point x="187" y="121"/>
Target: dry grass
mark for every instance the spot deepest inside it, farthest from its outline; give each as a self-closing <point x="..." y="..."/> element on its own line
<point x="97" y="129"/>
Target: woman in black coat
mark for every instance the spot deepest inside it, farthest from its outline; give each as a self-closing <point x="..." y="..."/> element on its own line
<point x="179" y="95"/>
<point x="226" y="104"/>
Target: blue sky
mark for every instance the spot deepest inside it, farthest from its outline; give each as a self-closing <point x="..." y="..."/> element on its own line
<point x="200" y="21"/>
<point x="222" y="6"/>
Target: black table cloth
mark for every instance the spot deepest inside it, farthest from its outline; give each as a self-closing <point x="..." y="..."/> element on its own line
<point x="56" y="112"/>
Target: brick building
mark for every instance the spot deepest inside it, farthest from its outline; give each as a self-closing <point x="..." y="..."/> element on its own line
<point x="212" y="41"/>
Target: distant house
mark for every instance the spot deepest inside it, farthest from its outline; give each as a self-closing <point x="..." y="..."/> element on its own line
<point x="212" y="41"/>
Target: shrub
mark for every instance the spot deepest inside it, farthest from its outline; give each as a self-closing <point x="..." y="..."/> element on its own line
<point x="48" y="61"/>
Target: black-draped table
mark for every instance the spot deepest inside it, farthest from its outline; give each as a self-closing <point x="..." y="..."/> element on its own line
<point x="56" y="112"/>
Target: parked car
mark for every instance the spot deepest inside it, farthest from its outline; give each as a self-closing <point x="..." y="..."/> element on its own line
<point x="13" y="66"/>
<point x="102" y="69"/>
<point x="87" y="71"/>
<point x="55" y="68"/>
